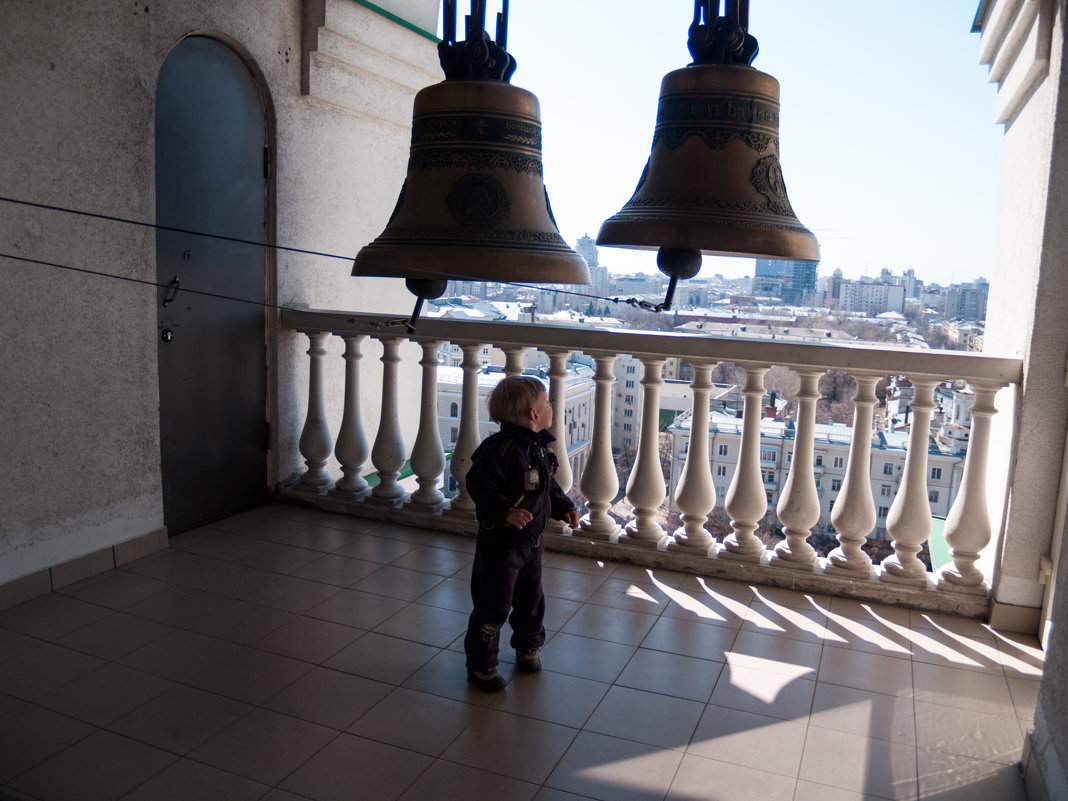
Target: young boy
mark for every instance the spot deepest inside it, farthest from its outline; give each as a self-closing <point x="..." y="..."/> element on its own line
<point x="512" y="483"/>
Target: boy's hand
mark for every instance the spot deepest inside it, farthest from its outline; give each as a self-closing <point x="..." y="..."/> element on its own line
<point x="572" y="518"/>
<point x="518" y="517"/>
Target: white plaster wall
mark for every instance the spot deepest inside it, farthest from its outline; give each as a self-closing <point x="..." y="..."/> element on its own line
<point x="79" y="429"/>
<point x="1026" y="318"/>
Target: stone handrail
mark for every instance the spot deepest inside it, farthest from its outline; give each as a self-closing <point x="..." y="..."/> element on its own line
<point x="847" y="570"/>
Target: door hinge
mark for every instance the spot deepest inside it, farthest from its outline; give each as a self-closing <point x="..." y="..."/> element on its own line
<point x="266" y="161"/>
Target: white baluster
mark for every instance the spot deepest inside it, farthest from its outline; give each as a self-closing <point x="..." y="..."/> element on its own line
<point x="512" y="362"/>
<point x="967" y="528"/>
<point x="799" y="503"/>
<point x="645" y="485"/>
<point x="909" y="520"/>
<point x="351" y="449"/>
<point x="746" y="501"/>
<point x="853" y="515"/>
<point x="599" y="482"/>
<point x="468" y="436"/>
<point x="428" y="458"/>
<point x="695" y="494"/>
<point x="557" y="394"/>
<point x="315" y="441"/>
<point x="387" y="454"/>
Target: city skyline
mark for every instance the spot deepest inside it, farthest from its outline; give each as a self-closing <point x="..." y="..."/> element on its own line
<point x="889" y="148"/>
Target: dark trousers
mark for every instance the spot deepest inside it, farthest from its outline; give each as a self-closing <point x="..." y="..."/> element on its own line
<point x="505" y="578"/>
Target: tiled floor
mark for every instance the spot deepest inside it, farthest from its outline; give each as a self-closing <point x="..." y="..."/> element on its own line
<point x="289" y="654"/>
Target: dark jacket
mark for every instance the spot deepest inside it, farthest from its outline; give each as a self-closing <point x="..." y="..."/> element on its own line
<point x="514" y="469"/>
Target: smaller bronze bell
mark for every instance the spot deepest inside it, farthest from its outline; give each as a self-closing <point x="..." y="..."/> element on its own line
<point x="713" y="183"/>
<point x="473" y="205"/>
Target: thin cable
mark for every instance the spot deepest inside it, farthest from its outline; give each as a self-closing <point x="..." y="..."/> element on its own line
<point x="635" y="302"/>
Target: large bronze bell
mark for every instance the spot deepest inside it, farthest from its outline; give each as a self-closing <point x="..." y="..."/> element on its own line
<point x="713" y="183"/>
<point x="473" y="205"/>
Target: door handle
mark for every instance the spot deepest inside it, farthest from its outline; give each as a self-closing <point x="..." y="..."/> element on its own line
<point x="174" y="285"/>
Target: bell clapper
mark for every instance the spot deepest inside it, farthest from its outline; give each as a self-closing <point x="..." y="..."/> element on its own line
<point x="676" y="263"/>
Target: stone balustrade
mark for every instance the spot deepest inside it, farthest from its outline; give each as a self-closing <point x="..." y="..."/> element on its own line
<point x="847" y="570"/>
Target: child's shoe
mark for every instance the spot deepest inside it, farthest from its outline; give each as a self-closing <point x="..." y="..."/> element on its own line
<point x="527" y="661"/>
<point x="489" y="679"/>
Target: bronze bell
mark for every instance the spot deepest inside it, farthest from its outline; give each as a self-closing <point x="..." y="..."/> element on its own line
<point x="473" y="205"/>
<point x="713" y="183"/>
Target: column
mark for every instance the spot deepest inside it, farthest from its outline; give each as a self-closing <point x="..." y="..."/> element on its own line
<point x="557" y="395"/>
<point x="746" y="501"/>
<point x="967" y="527"/>
<point x="351" y="449"/>
<point x="387" y="455"/>
<point x="512" y="361"/>
<point x="853" y="515"/>
<point x="695" y="495"/>
<point x="909" y="520"/>
<point x="428" y="457"/>
<point x="315" y="440"/>
<point x="467" y="437"/>
<point x="599" y="482"/>
<point x="799" y="502"/>
<point x="645" y="485"/>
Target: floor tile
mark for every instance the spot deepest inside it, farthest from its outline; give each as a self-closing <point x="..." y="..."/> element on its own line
<point x="599" y="660"/>
<point x="416" y="721"/>
<point x="439" y="561"/>
<point x="264" y="746"/>
<point x="279" y="558"/>
<point x="101" y="767"/>
<point x="968" y="733"/>
<point x="249" y="675"/>
<point x="216" y="544"/>
<point x="180" y="719"/>
<point x="113" y="636"/>
<point x="641" y="597"/>
<point x="1024" y="694"/>
<point x="429" y="625"/>
<point x="360" y="610"/>
<point x="179" y="655"/>
<point x="965" y="626"/>
<point x="322" y="538"/>
<point x="569" y="584"/>
<point x="609" y="623"/>
<point x="767" y="652"/>
<point x="611" y="769"/>
<point x="660" y="720"/>
<point x="868" y="635"/>
<point x="810" y="791"/>
<point x="13" y="644"/>
<point x="551" y="696"/>
<point x="308" y="639"/>
<point x="519" y="747"/>
<point x="445" y="781"/>
<point x="396" y="582"/>
<point x="328" y="697"/>
<point x="950" y="777"/>
<point x="774" y="597"/>
<point x="689" y="638"/>
<point x="105" y="694"/>
<point x="861" y="764"/>
<point x="30" y="734"/>
<point x="1020" y="654"/>
<point x="963" y="689"/>
<point x="754" y="741"/>
<point x="51" y="616"/>
<point x="785" y="622"/>
<point x="866" y="671"/>
<point x="186" y="779"/>
<point x="937" y="647"/>
<point x="450" y="594"/>
<point x="871" y="613"/>
<point x="260" y="525"/>
<point x="176" y="606"/>
<point x="446" y="675"/>
<point x="773" y="693"/>
<point x="352" y="764"/>
<point x="379" y="550"/>
<point x="293" y="594"/>
<point x="382" y="658"/>
<point x="869" y="714"/>
<point x="42" y="669"/>
<point x="336" y="570"/>
<point x="240" y="622"/>
<point x="116" y="589"/>
<point x="731" y="781"/>
<point x="671" y="674"/>
<point x="697" y="600"/>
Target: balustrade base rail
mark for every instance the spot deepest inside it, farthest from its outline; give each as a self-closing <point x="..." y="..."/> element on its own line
<point x="818" y="582"/>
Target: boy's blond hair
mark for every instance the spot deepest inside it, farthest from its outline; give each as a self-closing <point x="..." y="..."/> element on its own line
<point x="513" y="397"/>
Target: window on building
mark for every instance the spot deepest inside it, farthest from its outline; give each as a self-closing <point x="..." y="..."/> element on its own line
<point x="769" y="476"/>
<point x="819" y="460"/>
<point x="883" y="511"/>
<point x="830" y="506"/>
<point x="936" y="473"/>
<point x="721" y="470"/>
<point x="628" y="441"/>
<point x="630" y="369"/>
<point x="789" y="457"/>
<point x="629" y="384"/>
<point x="628" y="398"/>
<point x="839" y="461"/>
<point x="767" y="455"/>
<point x="628" y="412"/>
<point x="454" y="410"/>
<point x="722" y="450"/>
<point x="884" y="491"/>
<point x="819" y="483"/>
<point x="888" y="468"/>
<point x="452" y="435"/>
<point x="628" y="427"/>
<point x="932" y="496"/>
<point x="836" y="484"/>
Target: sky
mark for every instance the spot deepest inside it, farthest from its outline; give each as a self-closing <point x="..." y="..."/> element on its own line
<point x="888" y="145"/>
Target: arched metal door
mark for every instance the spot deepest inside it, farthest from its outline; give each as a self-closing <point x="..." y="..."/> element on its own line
<point x="210" y="177"/>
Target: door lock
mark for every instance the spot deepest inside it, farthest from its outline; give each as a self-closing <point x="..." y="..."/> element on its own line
<point x="166" y="335"/>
